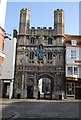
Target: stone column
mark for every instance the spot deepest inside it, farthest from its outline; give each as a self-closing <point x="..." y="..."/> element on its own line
<point x="0" y="88"/>
<point x="11" y="89"/>
<point x="35" y="60"/>
<point x="53" y="60"/>
<point x="22" y="91"/>
<point x="53" y="87"/>
<point x="26" y="83"/>
<point x="45" y="59"/>
<point x="35" y="94"/>
<point x="22" y="81"/>
<point x="25" y="80"/>
<point x="24" y="87"/>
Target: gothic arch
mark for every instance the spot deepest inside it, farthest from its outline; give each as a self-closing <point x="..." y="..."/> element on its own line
<point x="42" y="75"/>
<point x="45" y="75"/>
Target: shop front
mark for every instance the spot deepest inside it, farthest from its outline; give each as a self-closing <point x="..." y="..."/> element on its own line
<point x="73" y="88"/>
<point x="7" y="88"/>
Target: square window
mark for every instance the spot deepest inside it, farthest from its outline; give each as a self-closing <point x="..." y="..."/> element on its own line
<point x="70" y="70"/>
<point x="73" y="42"/>
<point x="49" y="40"/>
<point x="73" y="54"/>
<point x="75" y="71"/>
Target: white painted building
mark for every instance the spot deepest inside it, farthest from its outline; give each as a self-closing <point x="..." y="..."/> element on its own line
<point x="3" y="4"/>
<point x="73" y="66"/>
<point x="9" y="66"/>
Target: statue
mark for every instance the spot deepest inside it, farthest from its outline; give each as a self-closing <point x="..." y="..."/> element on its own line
<point x="40" y="52"/>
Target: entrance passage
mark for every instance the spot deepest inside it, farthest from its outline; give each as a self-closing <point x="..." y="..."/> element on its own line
<point x="78" y="92"/>
<point x="6" y="90"/>
<point x="44" y="88"/>
<point x="30" y="92"/>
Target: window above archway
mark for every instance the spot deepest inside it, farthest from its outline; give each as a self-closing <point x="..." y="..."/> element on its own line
<point x="32" y="41"/>
<point x="49" y="40"/>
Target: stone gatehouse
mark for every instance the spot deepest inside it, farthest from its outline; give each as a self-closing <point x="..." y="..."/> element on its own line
<point x="40" y="55"/>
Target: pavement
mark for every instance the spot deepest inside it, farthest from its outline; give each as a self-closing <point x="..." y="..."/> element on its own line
<point x="3" y="100"/>
<point x="8" y="114"/>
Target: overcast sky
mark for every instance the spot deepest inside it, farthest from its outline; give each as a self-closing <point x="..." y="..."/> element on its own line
<point x="42" y="15"/>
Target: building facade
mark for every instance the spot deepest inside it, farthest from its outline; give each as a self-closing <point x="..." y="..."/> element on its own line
<point x="2" y="56"/>
<point x="73" y="66"/>
<point x="40" y="55"/>
<point x="2" y="34"/>
<point x="9" y="65"/>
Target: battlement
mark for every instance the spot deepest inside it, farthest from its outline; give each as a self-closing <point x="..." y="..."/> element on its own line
<point x="24" y="10"/>
<point x="59" y="10"/>
<point x="41" y="28"/>
<point x="24" y="25"/>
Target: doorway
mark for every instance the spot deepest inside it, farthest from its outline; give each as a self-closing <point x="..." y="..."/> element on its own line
<point x="6" y="90"/>
<point x="78" y="92"/>
<point x="30" y="92"/>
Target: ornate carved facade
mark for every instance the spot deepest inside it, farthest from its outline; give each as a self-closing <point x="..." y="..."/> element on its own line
<point x="40" y="54"/>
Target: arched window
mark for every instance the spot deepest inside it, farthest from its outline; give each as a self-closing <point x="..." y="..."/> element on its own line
<point x="32" y="55"/>
<point x="32" y="40"/>
<point x="49" y="55"/>
<point x="50" y="40"/>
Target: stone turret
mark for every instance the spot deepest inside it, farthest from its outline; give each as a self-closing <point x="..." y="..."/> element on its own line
<point x="24" y="20"/>
<point x="59" y="21"/>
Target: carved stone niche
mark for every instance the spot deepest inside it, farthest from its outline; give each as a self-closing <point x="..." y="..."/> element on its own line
<point x="35" y="54"/>
<point x="54" y="55"/>
<point x="27" y="54"/>
<point x="45" y="54"/>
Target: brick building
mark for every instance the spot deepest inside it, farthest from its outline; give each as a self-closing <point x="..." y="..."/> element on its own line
<point x="2" y="56"/>
<point x="2" y="33"/>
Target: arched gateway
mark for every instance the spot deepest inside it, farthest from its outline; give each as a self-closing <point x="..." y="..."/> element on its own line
<point x="29" y="85"/>
<point x="45" y="85"/>
<point x="40" y="55"/>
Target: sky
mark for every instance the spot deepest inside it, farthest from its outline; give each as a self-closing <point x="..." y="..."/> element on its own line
<point x="43" y="0"/>
<point x="42" y="15"/>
